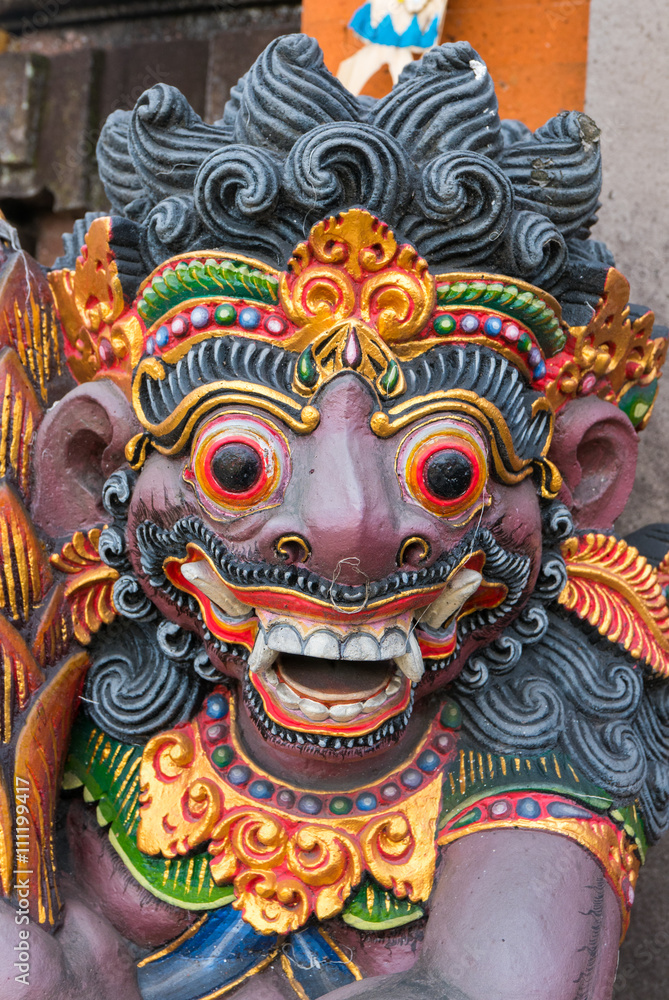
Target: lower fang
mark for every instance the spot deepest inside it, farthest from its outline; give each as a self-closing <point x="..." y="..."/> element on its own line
<point x="411" y="662"/>
<point x="262" y="657"/>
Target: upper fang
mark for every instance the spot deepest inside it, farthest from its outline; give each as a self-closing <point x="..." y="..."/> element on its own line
<point x="457" y="590"/>
<point x="206" y="579"/>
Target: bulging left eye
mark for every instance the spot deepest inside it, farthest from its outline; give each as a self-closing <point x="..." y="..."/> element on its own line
<point x="443" y="466"/>
<point x="239" y="464"/>
<point x="448" y="474"/>
<point x="236" y="467"/>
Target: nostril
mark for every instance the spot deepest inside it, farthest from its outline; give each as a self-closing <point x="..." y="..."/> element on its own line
<point x="413" y="551"/>
<point x="292" y="549"/>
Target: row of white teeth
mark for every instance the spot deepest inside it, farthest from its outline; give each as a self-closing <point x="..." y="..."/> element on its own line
<point x="410" y="661"/>
<point x="343" y="712"/>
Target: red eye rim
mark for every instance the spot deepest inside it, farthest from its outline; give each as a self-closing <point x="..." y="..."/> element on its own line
<point x="464" y="448"/>
<point x="214" y="490"/>
<point x="239" y="428"/>
<point x="422" y="444"/>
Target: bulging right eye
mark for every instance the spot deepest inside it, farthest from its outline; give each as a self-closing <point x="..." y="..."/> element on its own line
<point x="239" y="464"/>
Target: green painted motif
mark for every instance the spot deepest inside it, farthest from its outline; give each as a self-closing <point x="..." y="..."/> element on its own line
<point x="474" y="775"/>
<point x="196" y="280"/>
<point x="109" y="772"/>
<point x="444" y="324"/>
<point x="629" y="818"/>
<point x="638" y="400"/>
<point x="451" y="716"/>
<point x="524" y="306"/>
<point x="307" y="372"/>
<point x="374" y="908"/>
<point x="390" y="378"/>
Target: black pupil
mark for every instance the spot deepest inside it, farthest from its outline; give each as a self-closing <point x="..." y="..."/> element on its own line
<point x="448" y="474"/>
<point x="236" y="467"/>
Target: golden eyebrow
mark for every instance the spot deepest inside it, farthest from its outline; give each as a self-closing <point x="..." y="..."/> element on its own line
<point x="299" y="418"/>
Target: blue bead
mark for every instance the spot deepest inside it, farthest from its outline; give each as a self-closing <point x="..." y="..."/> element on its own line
<point x="469" y="323"/>
<point x="565" y="810"/>
<point x="310" y="804"/>
<point x="528" y="808"/>
<point x="366" y="801"/>
<point x="150" y="346"/>
<point x="261" y="789"/>
<point x="162" y="336"/>
<point x="217" y="707"/>
<point x="412" y="778"/>
<point x="249" y="318"/>
<point x="540" y="370"/>
<point x="493" y="326"/>
<point x="428" y="761"/>
<point x="239" y="774"/>
<point x="199" y="317"/>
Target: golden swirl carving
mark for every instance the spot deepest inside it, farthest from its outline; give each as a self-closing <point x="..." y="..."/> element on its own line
<point x="283" y="869"/>
<point x="352" y="275"/>
<point x="613" y="352"/>
<point x="171" y="787"/>
<point x="255" y="839"/>
<point x="355" y="239"/>
<point x="399" y="304"/>
<point x="321" y="295"/>
<point x="399" y="848"/>
<point x="329" y="860"/>
<point x="172" y="752"/>
<point x="271" y="903"/>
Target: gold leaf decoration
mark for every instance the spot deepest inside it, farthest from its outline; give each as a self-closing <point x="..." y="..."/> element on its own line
<point x="283" y="869"/>
<point x="612" y="352"/>
<point x="28" y="322"/>
<point x="102" y="336"/>
<point x="20" y="416"/>
<point x="54" y="629"/>
<point x="21" y="676"/>
<point x="24" y="571"/>
<point x="618" y="592"/>
<point x="88" y="594"/>
<point x="40" y="757"/>
<point x="358" y="300"/>
<point x="6" y="840"/>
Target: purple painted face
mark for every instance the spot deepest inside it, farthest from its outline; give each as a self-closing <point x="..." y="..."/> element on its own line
<point x="357" y="576"/>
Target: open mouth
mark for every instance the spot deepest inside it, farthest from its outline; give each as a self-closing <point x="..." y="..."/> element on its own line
<point x="316" y="681"/>
<point x="308" y="694"/>
<point x="329" y="667"/>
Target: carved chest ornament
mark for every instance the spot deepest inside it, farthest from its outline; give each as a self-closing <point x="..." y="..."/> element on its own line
<point x="303" y="853"/>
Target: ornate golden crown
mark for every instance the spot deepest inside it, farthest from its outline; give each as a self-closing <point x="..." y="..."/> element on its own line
<point x="352" y="297"/>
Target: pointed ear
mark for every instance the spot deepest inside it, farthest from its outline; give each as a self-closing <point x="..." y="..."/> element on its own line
<point x="595" y="448"/>
<point x="81" y="441"/>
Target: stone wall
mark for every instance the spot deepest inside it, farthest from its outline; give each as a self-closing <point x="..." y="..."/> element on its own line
<point x="66" y="64"/>
<point x="628" y="96"/>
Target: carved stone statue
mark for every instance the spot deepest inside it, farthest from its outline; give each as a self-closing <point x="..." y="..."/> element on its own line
<point x="322" y="672"/>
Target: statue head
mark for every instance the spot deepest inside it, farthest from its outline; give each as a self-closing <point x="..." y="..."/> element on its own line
<point x="345" y="361"/>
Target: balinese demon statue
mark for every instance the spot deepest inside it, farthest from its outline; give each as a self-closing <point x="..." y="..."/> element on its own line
<point x="322" y="672"/>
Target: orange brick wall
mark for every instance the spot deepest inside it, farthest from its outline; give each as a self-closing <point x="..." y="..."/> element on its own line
<point x="536" y="50"/>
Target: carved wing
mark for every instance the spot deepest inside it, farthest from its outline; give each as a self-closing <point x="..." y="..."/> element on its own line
<point x="618" y="591"/>
<point x="38" y="698"/>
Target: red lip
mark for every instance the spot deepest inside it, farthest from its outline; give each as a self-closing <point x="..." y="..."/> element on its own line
<point x="243" y="632"/>
<point x="367" y="724"/>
